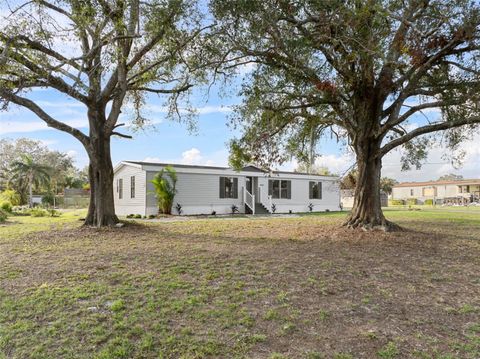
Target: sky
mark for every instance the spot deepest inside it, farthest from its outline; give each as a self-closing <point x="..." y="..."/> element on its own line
<point x="172" y="142"/>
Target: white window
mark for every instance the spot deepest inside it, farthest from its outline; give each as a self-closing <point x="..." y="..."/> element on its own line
<point x="315" y="190"/>
<point x="120" y="188"/>
<point x="280" y="189"/>
<point x="228" y="187"/>
<point x="132" y="187"/>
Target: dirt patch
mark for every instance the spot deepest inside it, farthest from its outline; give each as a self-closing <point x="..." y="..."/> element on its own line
<point x="302" y="287"/>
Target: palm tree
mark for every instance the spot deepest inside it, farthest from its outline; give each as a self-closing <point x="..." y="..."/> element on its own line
<point x="165" y="189"/>
<point x="34" y="174"/>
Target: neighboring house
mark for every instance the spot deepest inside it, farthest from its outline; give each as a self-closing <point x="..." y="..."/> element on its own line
<point x="205" y="189"/>
<point x="347" y="198"/>
<point x="447" y="192"/>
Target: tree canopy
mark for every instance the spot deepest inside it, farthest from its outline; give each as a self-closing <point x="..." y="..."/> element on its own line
<point x="358" y="70"/>
<point x="102" y="54"/>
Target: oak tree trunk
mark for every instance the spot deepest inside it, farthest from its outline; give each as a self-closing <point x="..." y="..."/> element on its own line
<point x="367" y="209"/>
<point x="101" y="210"/>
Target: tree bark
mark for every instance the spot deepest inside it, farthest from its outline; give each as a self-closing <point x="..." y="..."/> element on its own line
<point x="30" y="191"/>
<point x="101" y="210"/>
<point x="367" y="209"/>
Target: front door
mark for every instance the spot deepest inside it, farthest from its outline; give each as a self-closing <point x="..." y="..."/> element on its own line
<point x="249" y="184"/>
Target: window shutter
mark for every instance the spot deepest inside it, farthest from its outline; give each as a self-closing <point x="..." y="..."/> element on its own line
<point x="222" y="187"/>
<point x="289" y="189"/>
<point x="310" y="189"/>
<point x="320" y="194"/>
<point x="270" y="187"/>
<point x="235" y="188"/>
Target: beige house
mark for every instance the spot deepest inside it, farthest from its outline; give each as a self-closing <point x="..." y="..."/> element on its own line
<point x="448" y="192"/>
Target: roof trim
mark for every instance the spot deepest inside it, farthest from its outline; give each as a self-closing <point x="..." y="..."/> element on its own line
<point x="244" y="171"/>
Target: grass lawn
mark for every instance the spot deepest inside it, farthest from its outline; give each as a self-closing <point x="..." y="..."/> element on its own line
<point x="259" y="288"/>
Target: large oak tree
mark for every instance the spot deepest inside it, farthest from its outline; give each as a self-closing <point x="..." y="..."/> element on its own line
<point x="359" y="69"/>
<point x="100" y="53"/>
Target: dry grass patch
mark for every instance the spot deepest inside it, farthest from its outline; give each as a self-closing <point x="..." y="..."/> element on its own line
<point x="260" y="288"/>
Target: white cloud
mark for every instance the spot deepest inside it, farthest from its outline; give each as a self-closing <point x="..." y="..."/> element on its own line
<point x="7" y="126"/>
<point x="59" y="104"/>
<point x="191" y="156"/>
<point x="194" y="156"/>
<point x="435" y="165"/>
<point x="338" y="164"/>
<point x="205" y="110"/>
<point x="214" y="109"/>
<point x="72" y="154"/>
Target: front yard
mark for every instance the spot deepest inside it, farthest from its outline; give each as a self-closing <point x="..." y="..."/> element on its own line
<point x="258" y="288"/>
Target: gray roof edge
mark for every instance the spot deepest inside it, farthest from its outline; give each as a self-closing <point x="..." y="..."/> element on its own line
<point x="249" y="168"/>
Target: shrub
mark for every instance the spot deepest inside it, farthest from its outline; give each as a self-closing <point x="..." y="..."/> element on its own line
<point x="6" y="206"/>
<point x="48" y="199"/>
<point x="411" y="201"/>
<point x="234" y="209"/>
<point x="274" y="207"/>
<point x="151" y="216"/>
<point x="54" y="213"/>
<point x="39" y="212"/>
<point x="429" y="202"/>
<point x="3" y="215"/>
<point x="165" y="183"/>
<point x="138" y="216"/>
<point x="9" y="195"/>
<point x="396" y="202"/>
<point x="21" y="211"/>
<point x="178" y="207"/>
<point x="310" y="207"/>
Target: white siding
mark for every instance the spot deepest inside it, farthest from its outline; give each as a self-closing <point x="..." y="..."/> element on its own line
<point x="300" y="200"/>
<point x="127" y="205"/>
<point x="198" y="194"/>
<point x="442" y="191"/>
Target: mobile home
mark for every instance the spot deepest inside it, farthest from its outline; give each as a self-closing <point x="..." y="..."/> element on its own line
<point x="207" y="190"/>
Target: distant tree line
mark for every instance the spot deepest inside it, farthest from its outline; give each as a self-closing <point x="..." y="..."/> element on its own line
<point x="29" y="166"/>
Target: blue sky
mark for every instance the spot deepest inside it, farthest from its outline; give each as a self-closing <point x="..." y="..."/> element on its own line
<point x="172" y="142"/>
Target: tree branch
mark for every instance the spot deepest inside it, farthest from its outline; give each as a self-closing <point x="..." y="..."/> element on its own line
<point x="50" y="121"/>
<point x="114" y="133"/>
<point x="426" y="129"/>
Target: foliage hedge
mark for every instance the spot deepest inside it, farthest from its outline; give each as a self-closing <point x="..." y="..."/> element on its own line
<point x="396" y="202"/>
<point x="428" y="202"/>
<point x="3" y="215"/>
<point x="6" y="206"/>
<point x="411" y="201"/>
<point x="9" y="195"/>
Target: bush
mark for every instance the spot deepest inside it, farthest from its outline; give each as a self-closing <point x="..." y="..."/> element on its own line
<point x="48" y="199"/>
<point x="3" y="215"/>
<point x="151" y="216"/>
<point x="9" y="195"/>
<point x="138" y="216"/>
<point x="411" y="201"/>
<point x="54" y="213"/>
<point x="6" y="206"/>
<point x="39" y="212"/>
<point x="428" y="202"/>
<point x="396" y="202"/>
<point x="21" y="211"/>
<point x="165" y="183"/>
